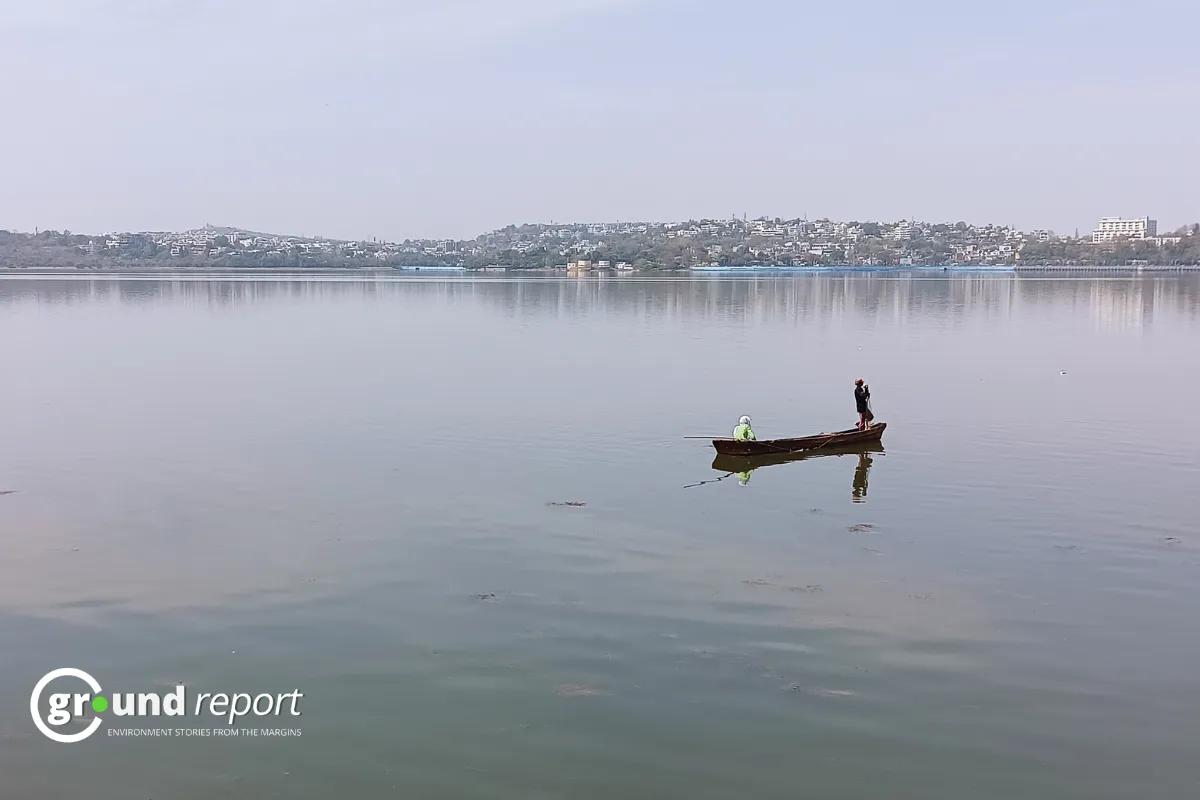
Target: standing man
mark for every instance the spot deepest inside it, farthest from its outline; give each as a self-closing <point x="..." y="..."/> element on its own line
<point x="862" y="401"/>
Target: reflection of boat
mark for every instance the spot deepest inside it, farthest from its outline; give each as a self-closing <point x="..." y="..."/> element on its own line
<point x="824" y="441"/>
<point x="723" y="463"/>
<point x="743" y="466"/>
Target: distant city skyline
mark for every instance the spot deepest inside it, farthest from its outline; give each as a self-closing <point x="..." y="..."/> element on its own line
<point x="408" y="120"/>
<point x="1106" y="229"/>
<point x="625" y="247"/>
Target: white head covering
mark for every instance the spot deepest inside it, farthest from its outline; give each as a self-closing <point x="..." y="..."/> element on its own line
<point x="744" y="421"/>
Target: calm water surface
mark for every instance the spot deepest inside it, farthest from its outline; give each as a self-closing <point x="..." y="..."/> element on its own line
<point x="344" y="487"/>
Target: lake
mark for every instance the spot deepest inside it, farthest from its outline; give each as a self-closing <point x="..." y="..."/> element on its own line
<point x="348" y="488"/>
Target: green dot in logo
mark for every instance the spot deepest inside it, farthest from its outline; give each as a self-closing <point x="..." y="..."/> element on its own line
<point x="100" y="705"/>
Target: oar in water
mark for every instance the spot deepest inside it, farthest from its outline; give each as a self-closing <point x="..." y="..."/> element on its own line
<point x="710" y="480"/>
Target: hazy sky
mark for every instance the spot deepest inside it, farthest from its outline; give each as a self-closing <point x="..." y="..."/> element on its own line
<point x="413" y="118"/>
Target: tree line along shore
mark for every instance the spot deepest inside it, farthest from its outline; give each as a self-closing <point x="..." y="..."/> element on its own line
<point x="767" y="243"/>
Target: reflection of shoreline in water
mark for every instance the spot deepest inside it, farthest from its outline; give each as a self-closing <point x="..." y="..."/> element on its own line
<point x="1114" y="302"/>
<point x="745" y="466"/>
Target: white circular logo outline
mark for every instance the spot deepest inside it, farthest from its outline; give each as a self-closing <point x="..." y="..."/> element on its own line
<point x="65" y="672"/>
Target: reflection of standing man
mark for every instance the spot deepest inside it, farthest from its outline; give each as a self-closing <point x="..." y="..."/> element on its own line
<point x="862" y="401"/>
<point x="860" y="478"/>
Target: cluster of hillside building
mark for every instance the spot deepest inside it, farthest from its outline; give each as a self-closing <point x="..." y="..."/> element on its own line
<point x="624" y="246"/>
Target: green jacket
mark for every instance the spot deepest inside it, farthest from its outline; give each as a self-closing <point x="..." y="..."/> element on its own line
<point x="744" y="433"/>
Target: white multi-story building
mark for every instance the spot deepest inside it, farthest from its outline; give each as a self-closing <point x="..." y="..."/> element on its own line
<point x="1111" y="228"/>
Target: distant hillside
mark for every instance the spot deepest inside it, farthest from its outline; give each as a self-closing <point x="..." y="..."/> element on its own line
<point x="227" y="231"/>
<point x="621" y="246"/>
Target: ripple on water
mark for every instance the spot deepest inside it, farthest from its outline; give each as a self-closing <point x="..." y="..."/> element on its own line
<point x="578" y="690"/>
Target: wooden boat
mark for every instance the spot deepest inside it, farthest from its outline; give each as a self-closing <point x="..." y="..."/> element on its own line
<point x="764" y="447"/>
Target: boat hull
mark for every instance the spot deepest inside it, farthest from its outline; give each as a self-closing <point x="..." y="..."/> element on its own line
<point x="806" y="444"/>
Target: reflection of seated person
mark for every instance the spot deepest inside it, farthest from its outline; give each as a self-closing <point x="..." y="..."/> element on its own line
<point x="744" y="477"/>
<point x="743" y="432"/>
